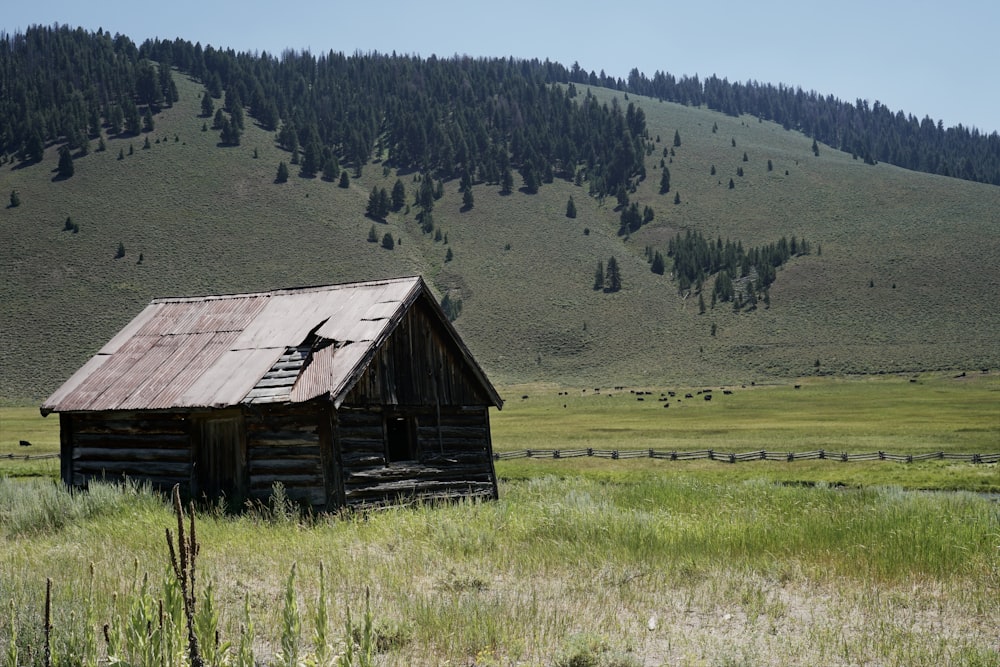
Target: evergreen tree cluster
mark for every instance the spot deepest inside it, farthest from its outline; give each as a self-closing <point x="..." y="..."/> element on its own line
<point x="487" y="117"/>
<point x="868" y="131"/>
<point x="696" y="258"/>
<point x="64" y="85"/>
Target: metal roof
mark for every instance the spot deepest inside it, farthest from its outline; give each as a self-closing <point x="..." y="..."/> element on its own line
<point x="218" y="351"/>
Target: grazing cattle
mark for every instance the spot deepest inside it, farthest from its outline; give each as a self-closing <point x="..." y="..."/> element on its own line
<point x="708" y="397"/>
<point x="24" y="443"/>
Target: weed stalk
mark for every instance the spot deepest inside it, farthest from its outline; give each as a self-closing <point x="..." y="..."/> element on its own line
<point x="184" y="571"/>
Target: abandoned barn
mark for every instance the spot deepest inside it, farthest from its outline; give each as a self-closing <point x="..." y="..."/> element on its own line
<point x="347" y="395"/>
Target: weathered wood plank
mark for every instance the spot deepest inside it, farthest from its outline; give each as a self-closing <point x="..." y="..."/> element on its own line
<point x="284" y="466"/>
<point x="133" y="440"/>
<point x="459" y="444"/>
<point x="364" y="432"/>
<point x="362" y="445"/>
<point x="115" y="469"/>
<point x="455" y="458"/>
<point x="256" y="452"/>
<point x="411" y="487"/>
<point x="355" y="459"/>
<point x="287" y="480"/>
<point x="122" y="424"/>
<point x="286" y="440"/>
<point x="451" y="431"/>
<point x="358" y="476"/>
<point x="144" y="454"/>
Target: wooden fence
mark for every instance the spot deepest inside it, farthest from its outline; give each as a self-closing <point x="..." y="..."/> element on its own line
<point x="710" y="454"/>
<point x="735" y="457"/>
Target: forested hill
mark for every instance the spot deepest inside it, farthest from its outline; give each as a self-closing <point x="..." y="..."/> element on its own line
<point x="455" y="117"/>
<point x="476" y="119"/>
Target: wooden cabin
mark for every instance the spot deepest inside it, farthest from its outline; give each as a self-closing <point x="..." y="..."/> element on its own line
<point x="347" y="395"/>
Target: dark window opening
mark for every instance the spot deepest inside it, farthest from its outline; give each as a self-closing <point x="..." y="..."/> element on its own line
<point x="400" y="440"/>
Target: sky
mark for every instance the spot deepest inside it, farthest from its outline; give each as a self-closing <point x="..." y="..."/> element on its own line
<point x="924" y="57"/>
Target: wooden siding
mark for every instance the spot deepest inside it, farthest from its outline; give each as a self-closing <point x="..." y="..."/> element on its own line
<point x="416" y="366"/>
<point x="453" y="456"/>
<point x="147" y="447"/>
<point x="285" y="445"/>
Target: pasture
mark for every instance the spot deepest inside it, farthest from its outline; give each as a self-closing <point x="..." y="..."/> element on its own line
<point x="582" y="561"/>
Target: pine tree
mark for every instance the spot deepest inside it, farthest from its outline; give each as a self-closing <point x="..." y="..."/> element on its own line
<point x="15" y="199"/>
<point x="331" y="169"/>
<point x="378" y="204"/>
<point x="613" y="281"/>
<point x="387" y="241"/>
<point x="599" y="276"/>
<point x="677" y="138"/>
<point x="467" y="200"/>
<point x="677" y="198"/>
<point x="570" y="208"/>
<point x="658" y="264"/>
<point x="282" y="176"/>
<point x="65" y="169"/>
<point x="121" y="250"/>
<point x="398" y="195"/>
<point x="372" y="235"/>
<point x="506" y="182"/>
<point x="448" y="256"/>
<point x="665" y="181"/>
<point x="345" y="181"/>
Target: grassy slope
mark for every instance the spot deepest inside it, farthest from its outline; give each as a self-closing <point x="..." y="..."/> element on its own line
<point x="211" y="220"/>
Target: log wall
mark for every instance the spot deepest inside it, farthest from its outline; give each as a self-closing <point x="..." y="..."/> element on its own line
<point x="147" y="447"/>
<point x="453" y="456"/>
<point x="286" y="445"/>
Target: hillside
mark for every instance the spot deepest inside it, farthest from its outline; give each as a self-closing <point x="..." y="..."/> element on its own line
<point x="901" y="277"/>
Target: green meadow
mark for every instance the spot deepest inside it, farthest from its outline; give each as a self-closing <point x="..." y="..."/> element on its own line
<point x="582" y="561"/>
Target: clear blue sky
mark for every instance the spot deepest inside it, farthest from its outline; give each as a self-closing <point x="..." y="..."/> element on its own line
<point x="927" y="58"/>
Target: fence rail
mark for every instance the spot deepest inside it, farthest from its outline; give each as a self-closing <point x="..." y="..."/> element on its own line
<point x="710" y="454"/>
<point x="735" y="457"/>
<point x="27" y="457"/>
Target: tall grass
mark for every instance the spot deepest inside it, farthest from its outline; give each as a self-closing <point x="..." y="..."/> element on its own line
<point x="611" y="571"/>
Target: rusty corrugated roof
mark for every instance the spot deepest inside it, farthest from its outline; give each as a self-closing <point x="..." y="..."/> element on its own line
<point x="217" y="351"/>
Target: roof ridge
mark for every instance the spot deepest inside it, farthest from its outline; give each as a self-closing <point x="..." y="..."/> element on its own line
<point x="281" y="291"/>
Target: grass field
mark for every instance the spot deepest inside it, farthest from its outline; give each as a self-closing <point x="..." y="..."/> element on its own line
<point x="581" y="561"/>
